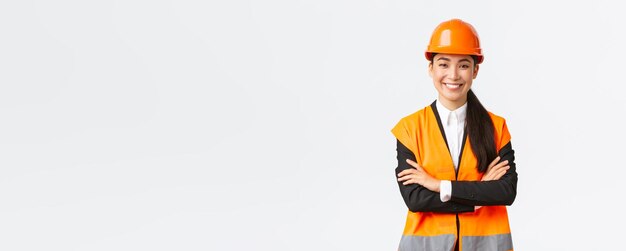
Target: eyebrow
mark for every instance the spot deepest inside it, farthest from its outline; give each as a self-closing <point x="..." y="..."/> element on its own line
<point x="447" y="59"/>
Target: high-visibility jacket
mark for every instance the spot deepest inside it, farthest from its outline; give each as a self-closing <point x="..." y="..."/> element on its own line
<point x="485" y="229"/>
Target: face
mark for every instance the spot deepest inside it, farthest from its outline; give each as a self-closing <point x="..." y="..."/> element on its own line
<point x="452" y="75"/>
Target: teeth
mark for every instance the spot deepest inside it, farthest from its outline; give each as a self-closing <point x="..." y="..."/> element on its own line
<point x="452" y="86"/>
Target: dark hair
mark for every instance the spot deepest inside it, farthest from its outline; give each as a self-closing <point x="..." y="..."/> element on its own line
<point x="480" y="132"/>
<point x="479" y="128"/>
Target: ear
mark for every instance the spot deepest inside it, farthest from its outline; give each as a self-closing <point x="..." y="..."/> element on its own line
<point x="475" y="71"/>
<point x="430" y="69"/>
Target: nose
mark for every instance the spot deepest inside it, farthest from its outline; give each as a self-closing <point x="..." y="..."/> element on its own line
<point x="453" y="73"/>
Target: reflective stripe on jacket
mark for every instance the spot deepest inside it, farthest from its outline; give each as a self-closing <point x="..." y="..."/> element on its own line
<point x="485" y="229"/>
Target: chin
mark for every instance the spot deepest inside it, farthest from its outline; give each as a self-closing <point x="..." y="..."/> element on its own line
<point x="453" y="97"/>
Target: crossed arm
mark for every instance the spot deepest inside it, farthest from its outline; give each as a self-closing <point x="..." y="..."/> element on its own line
<point x="420" y="191"/>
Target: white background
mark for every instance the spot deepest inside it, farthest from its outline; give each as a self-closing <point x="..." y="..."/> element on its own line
<point x="265" y="125"/>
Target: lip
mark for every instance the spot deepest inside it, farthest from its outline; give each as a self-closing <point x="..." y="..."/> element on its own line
<point x="453" y="86"/>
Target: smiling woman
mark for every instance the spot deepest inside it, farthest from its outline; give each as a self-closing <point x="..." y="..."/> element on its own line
<point x="456" y="169"/>
<point x="453" y="76"/>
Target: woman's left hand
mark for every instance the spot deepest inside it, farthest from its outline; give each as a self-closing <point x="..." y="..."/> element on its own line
<point x="418" y="176"/>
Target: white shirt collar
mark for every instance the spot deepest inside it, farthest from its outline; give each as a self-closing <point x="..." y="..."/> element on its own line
<point x="444" y="113"/>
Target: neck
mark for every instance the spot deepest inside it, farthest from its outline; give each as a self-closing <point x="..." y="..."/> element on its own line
<point x="452" y="104"/>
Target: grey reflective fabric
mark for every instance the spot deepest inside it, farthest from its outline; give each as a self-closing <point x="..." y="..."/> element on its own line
<point x="498" y="242"/>
<point x="443" y="242"/>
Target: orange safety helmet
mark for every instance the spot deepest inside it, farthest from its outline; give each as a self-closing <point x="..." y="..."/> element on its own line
<point x="455" y="37"/>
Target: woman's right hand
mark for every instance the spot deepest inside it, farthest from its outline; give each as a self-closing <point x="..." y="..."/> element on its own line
<point x="496" y="170"/>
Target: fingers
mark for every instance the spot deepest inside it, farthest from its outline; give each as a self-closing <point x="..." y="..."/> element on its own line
<point x="500" y="173"/>
<point x="410" y="176"/>
<point x="417" y="167"/>
<point x="408" y="179"/>
<point x="486" y="176"/>
<point x="496" y="171"/>
<point x="409" y="182"/>
<point x="406" y="176"/>
<point x="406" y="172"/>
<point x="498" y="166"/>
<point x="414" y="164"/>
<point x="493" y="163"/>
<point x="501" y="164"/>
<point x="411" y="179"/>
<point x="495" y="175"/>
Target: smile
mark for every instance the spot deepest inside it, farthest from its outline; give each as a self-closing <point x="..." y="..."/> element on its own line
<point x="453" y="86"/>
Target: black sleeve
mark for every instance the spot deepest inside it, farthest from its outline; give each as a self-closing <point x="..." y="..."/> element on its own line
<point x="419" y="198"/>
<point x="489" y="193"/>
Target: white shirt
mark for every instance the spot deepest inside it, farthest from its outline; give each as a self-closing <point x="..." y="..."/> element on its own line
<point x="453" y="125"/>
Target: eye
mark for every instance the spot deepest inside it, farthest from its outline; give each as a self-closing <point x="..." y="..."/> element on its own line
<point x="465" y="66"/>
<point x="442" y="65"/>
